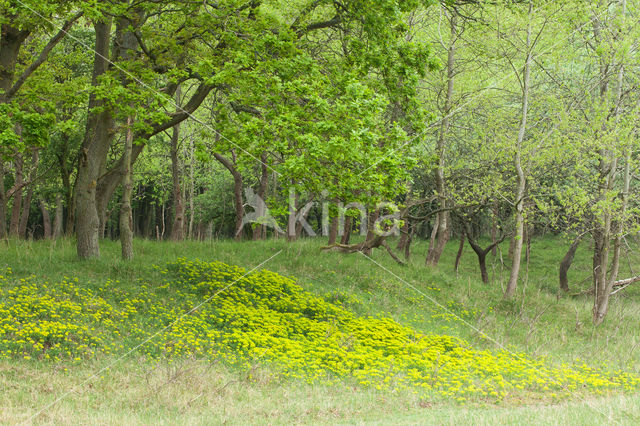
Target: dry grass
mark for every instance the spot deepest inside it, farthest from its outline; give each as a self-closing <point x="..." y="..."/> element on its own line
<point x="194" y="393"/>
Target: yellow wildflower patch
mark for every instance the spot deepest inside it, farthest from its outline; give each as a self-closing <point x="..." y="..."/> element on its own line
<point x="268" y="317"/>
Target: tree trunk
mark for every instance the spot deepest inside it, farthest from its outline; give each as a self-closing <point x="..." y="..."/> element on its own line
<point x="24" y="215"/>
<point x="110" y="180"/>
<point x="14" y="225"/>
<point x="432" y="239"/>
<point x="26" y="204"/>
<point x="11" y="40"/>
<point x="404" y="231"/>
<point x="443" y="236"/>
<point x="124" y="48"/>
<point x="192" y="186"/>
<point x="518" y="237"/>
<point x="207" y="233"/>
<point x="480" y="252"/>
<point x="482" y="261"/>
<point x="482" y="258"/>
<point x="512" y="247"/>
<point x="260" y="231"/>
<point x="237" y="193"/>
<point x="150" y="221"/>
<point x="443" y="231"/>
<point x="3" y="203"/>
<point x="292" y="232"/>
<point x="346" y="235"/>
<point x="601" y="250"/>
<point x="126" y="220"/>
<point x="371" y="231"/>
<point x="461" y="250"/>
<point x="494" y="228"/>
<point x="407" y="246"/>
<point x="333" y="230"/>
<point x="177" y="229"/>
<point x="529" y="236"/>
<point x="521" y="179"/>
<point x="57" y="220"/>
<point x="70" y="223"/>
<point x="567" y="260"/>
<point x="46" y="219"/>
<point x="10" y="44"/>
<point x="603" y="284"/>
<point x="93" y="152"/>
<point x="404" y="235"/>
<point x="94" y="184"/>
<point x="65" y="176"/>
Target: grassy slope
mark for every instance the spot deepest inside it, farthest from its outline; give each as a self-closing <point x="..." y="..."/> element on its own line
<point x="537" y="322"/>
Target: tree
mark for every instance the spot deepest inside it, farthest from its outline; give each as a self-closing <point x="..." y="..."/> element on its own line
<point x="521" y="180"/>
<point x="24" y="47"/>
<point x="95" y="183"/>
<point x="442" y="231"/>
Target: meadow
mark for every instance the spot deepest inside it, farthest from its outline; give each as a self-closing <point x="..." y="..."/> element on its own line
<point x="190" y="333"/>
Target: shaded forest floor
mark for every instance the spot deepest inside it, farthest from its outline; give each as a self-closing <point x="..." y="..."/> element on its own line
<point x="146" y="387"/>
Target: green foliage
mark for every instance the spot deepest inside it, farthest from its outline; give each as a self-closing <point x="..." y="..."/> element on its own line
<point x="215" y="204"/>
<point x="20" y="129"/>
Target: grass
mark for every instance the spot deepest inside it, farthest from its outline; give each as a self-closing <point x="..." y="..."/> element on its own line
<point x="194" y="390"/>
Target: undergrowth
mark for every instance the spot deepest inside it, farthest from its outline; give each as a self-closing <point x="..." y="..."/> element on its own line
<point x="217" y="311"/>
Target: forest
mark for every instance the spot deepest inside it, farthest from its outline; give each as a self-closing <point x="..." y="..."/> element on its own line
<point x="481" y="155"/>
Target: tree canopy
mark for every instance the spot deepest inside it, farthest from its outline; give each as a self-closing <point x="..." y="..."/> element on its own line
<point x="158" y="119"/>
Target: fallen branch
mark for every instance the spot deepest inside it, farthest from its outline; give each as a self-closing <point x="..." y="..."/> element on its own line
<point x="622" y="284"/>
<point x="617" y="286"/>
<point x="626" y="281"/>
<point x="377" y="242"/>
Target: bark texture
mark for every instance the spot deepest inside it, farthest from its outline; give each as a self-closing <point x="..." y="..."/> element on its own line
<point x="237" y="192"/>
<point x="46" y="220"/>
<point x="566" y="262"/>
<point x="126" y="220"/>
<point x="93" y="153"/>
<point x="57" y="230"/>
<point x="177" y="229"/>
<point x="14" y="224"/>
